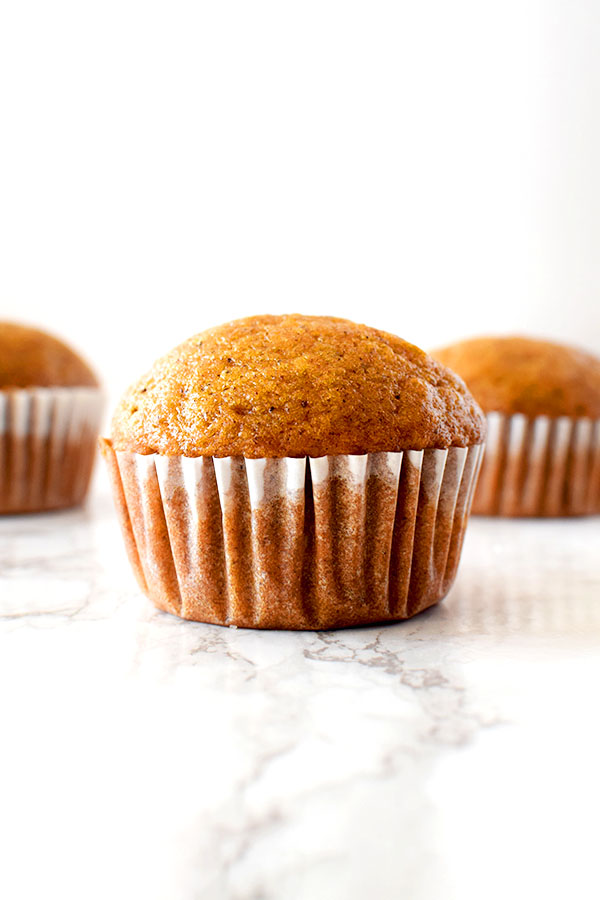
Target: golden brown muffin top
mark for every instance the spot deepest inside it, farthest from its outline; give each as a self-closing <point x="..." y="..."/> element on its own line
<point x="523" y="375"/>
<point x="274" y="386"/>
<point x="32" y="358"/>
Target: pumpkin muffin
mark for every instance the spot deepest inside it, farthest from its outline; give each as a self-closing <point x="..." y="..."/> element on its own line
<point x="50" y="405"/>
<point x="542" y="401"/>
<point x="295" y="472"/>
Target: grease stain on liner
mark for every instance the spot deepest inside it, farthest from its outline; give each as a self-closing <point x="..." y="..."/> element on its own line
<point x="539" y="466"/>
<point x="292" y="543"/>
<point x="47" y="445"/>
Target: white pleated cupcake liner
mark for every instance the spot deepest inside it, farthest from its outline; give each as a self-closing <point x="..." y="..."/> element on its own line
<point x="47" y="446"/>
<point x="306" y="543"/>
<point x="539" y="466"/>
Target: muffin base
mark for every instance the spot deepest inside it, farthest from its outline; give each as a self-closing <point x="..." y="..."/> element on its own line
<point x="47" y="447"/>
<point x="539" y="467"/>
<point x="294" y="543"/>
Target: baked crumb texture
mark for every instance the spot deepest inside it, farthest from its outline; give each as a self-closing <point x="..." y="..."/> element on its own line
<point x="48" y="442"/>
<point x="539" y="466"/>
<point x="295" y="386"/>
<point x="294" y="543"/>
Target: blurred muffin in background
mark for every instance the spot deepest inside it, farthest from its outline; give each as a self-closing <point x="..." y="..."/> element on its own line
<point x="50" y="407"/>
<point x="295" y="472"/>
<point x="542" y="401"/>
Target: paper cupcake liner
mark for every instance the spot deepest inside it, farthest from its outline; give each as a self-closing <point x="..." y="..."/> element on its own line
<point x="47" y="445"/>
<point x="295" y="543"/>
<point x="539" y="466"/>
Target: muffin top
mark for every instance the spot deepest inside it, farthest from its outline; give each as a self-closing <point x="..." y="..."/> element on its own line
<point x="522" y="375"/>
<point x="32" y="358"/>
<point x="274" y="386"/>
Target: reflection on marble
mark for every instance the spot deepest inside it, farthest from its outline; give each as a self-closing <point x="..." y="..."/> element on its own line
<point x="453" y="755"/>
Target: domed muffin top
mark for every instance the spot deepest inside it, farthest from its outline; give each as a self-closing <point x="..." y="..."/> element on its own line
<point x="274" y="386"/>
<point x="522" y="375"/>
<point x="32" y="358"/>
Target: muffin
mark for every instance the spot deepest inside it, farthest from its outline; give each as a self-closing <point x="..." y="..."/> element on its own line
<point x="297" y="472"/>
<point x="50" y="405"/>
<point x="542" y="402"/>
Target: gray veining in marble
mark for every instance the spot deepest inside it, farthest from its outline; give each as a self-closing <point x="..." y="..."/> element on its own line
<point x="454" y="755"/>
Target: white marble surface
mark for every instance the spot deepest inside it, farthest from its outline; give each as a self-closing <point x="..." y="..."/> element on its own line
<point x="455" y="755"/>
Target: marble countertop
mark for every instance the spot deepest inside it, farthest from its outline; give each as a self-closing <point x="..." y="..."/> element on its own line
<point x="455" y="755"/>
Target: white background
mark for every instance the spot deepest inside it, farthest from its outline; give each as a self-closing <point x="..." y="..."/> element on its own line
<point x="429" y="168"/>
